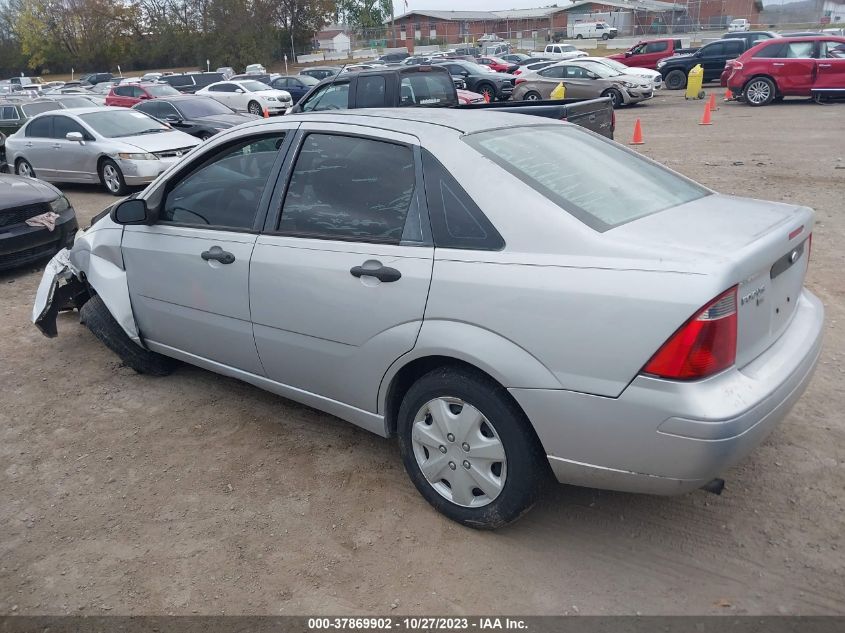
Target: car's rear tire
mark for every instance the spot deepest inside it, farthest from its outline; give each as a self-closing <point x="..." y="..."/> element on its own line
<point x="676" y="80"/>
<point x="615" y="97"/>
<point x="532" y="95"/>
<point x="23" y="168"/>
<point x="253" y="107"/>
<point x="484" y="468"/>
<point x="112" y="178"/>
<point x="759" y="91"/>
<point x="604" y="36"/>
<point x="96" y="316"/>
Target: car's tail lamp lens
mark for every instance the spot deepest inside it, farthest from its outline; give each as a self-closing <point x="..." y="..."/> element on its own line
<point x="703" y="346"/>
<point x="736" y="64"/>
<point x="518" y="81"/>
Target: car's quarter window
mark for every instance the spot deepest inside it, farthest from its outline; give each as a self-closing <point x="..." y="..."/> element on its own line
<point x="349" y="188"/>
<point x="40" y="127"/>
<point x="9" y="113"/>
<point x="786" y="50"/>
<point x="330" y="97"/>
<point x="225" y="190"/>
<point x="456" y="221"/>
<point x="599" y="183"/>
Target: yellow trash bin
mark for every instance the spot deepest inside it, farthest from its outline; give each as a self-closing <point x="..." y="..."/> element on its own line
<point x="694" y="80"/>
<point x="559" y="92"/>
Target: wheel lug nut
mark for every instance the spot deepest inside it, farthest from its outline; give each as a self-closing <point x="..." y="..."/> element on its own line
<point x="466" y="464"/>
<point x="442" y="449"/>
<point x="450" y="437"/>
<point x="465" y="446"/>
<point x="452" y="465"/>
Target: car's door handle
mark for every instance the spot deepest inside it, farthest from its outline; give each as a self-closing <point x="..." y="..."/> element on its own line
<point x="57" y="146"/>
<point x="217" y="253"/>
<point x="824" y="65"/>
<point x="778" y="64"/>
<point x="28" y="144"/>
<point x="382" y="273"/>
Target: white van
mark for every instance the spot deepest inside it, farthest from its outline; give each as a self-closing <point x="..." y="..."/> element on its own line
<point x="739" y="25"/>
<point x="593" y="30"/>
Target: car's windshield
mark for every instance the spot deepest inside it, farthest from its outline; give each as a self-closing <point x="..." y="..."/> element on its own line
<point x="162" y="90"/>
<point x="601" y="70"/>
<point x="200" y="107"/>
<point x="601" y="184"/>
<point x="118" y="123"/>
<point x="254" y="86"/>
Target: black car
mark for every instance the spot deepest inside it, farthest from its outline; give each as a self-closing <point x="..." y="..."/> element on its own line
<point x="22" y="199"/>
<point x="196" y="115"/>
<point x="494" y="86"/>
<point x="712" y="58"/>
<point x="751" y="37"/>
<point x="392" y="58"/>
<point x="320" y="72"/>
<point x="92" y="79"/>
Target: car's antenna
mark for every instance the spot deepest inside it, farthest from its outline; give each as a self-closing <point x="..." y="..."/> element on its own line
<point x="331" y="83"/>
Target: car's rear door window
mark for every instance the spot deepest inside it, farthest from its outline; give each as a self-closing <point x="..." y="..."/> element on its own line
<point x="600" y="183"/>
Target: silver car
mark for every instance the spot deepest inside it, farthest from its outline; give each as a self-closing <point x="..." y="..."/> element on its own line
<point x="476" y="284"/>
<point x="114" y="146"/>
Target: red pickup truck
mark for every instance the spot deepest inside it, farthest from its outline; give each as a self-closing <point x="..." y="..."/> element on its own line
<point x="646" y="54"/>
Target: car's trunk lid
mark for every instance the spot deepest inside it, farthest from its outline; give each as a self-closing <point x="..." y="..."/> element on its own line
<point x="762" y="247"/>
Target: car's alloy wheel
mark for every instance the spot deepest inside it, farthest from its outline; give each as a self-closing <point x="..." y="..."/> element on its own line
<point x="759" y="91"/>
<point x="254" y="108"/>
<point x="615" y="97"/>
<point x="24" y="169"/>
<point x="112" y="178"/>
<point x="532" y="96"/>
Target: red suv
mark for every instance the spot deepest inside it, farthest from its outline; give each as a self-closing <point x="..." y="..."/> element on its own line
<point x="789" y="66"/>
<point x="127" y="95"/>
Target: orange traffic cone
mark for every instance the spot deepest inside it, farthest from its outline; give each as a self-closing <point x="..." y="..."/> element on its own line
<point x="638" y="134"/>
<point x="705" y="120"/>
<point x="266" y="113"/>
<point x="712" y="105"/>
<point x="486" y="97"/>
<point x="729" y="96"/>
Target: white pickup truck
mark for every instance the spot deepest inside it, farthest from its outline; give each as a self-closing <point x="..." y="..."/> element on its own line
<point x="560" y="51"/>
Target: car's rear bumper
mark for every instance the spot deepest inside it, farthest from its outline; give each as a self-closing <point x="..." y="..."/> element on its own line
<point x="667" y="437"/>
<point x="23" y="244"/>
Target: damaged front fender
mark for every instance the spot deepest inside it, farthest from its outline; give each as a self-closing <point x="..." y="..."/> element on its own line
<point x="93" y="264"/>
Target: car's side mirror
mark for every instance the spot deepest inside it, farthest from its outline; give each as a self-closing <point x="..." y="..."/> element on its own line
<point x="132" y="211"/>
<point x="628" y="53"/>
<point x="239" y="91"/>
<point x="172" y="118"/>
<point x="75" y="136"/>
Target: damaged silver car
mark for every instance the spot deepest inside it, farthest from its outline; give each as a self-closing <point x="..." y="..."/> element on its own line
<point x="474" y="283"/>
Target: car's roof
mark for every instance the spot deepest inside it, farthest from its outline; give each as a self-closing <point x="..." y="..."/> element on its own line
<point x="419" y="121"/>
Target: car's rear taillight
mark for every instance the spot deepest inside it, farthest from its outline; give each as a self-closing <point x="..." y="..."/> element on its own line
<point x="703" y="346"/>
<point x="736" y="64"/>
<point x="518" y="81"/>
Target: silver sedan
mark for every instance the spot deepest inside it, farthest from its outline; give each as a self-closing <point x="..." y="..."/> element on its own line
<point x="114" y="146"/>
<point x="477" y="284"/>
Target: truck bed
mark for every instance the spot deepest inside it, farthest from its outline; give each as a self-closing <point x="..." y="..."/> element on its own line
<point x="594" y="114"/>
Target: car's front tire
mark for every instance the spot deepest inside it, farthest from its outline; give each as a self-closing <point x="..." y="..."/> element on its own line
<point x="253" y="107"/>
<point x="615" y="97"/>
<point x="469" y="449"/>
<point x="676" y="80"/>
<point x="112" y="178"/>
<point x="96" y="316"/>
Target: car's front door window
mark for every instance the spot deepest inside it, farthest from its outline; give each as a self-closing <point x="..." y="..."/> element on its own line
<point x="225" y="191"/>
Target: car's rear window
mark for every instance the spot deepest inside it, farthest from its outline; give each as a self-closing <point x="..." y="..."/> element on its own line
<point x="600" y="183"/>
<point x="427" y="89"/>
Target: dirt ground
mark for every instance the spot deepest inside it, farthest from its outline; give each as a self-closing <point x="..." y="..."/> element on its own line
<point x="125" y="494"/>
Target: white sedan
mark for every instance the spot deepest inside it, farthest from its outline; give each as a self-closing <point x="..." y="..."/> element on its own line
<point x="655" y="76"/>
<point x="249" y="95"/>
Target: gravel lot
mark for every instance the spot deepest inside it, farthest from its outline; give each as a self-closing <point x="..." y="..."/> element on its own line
<point x="124" y="494"/>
